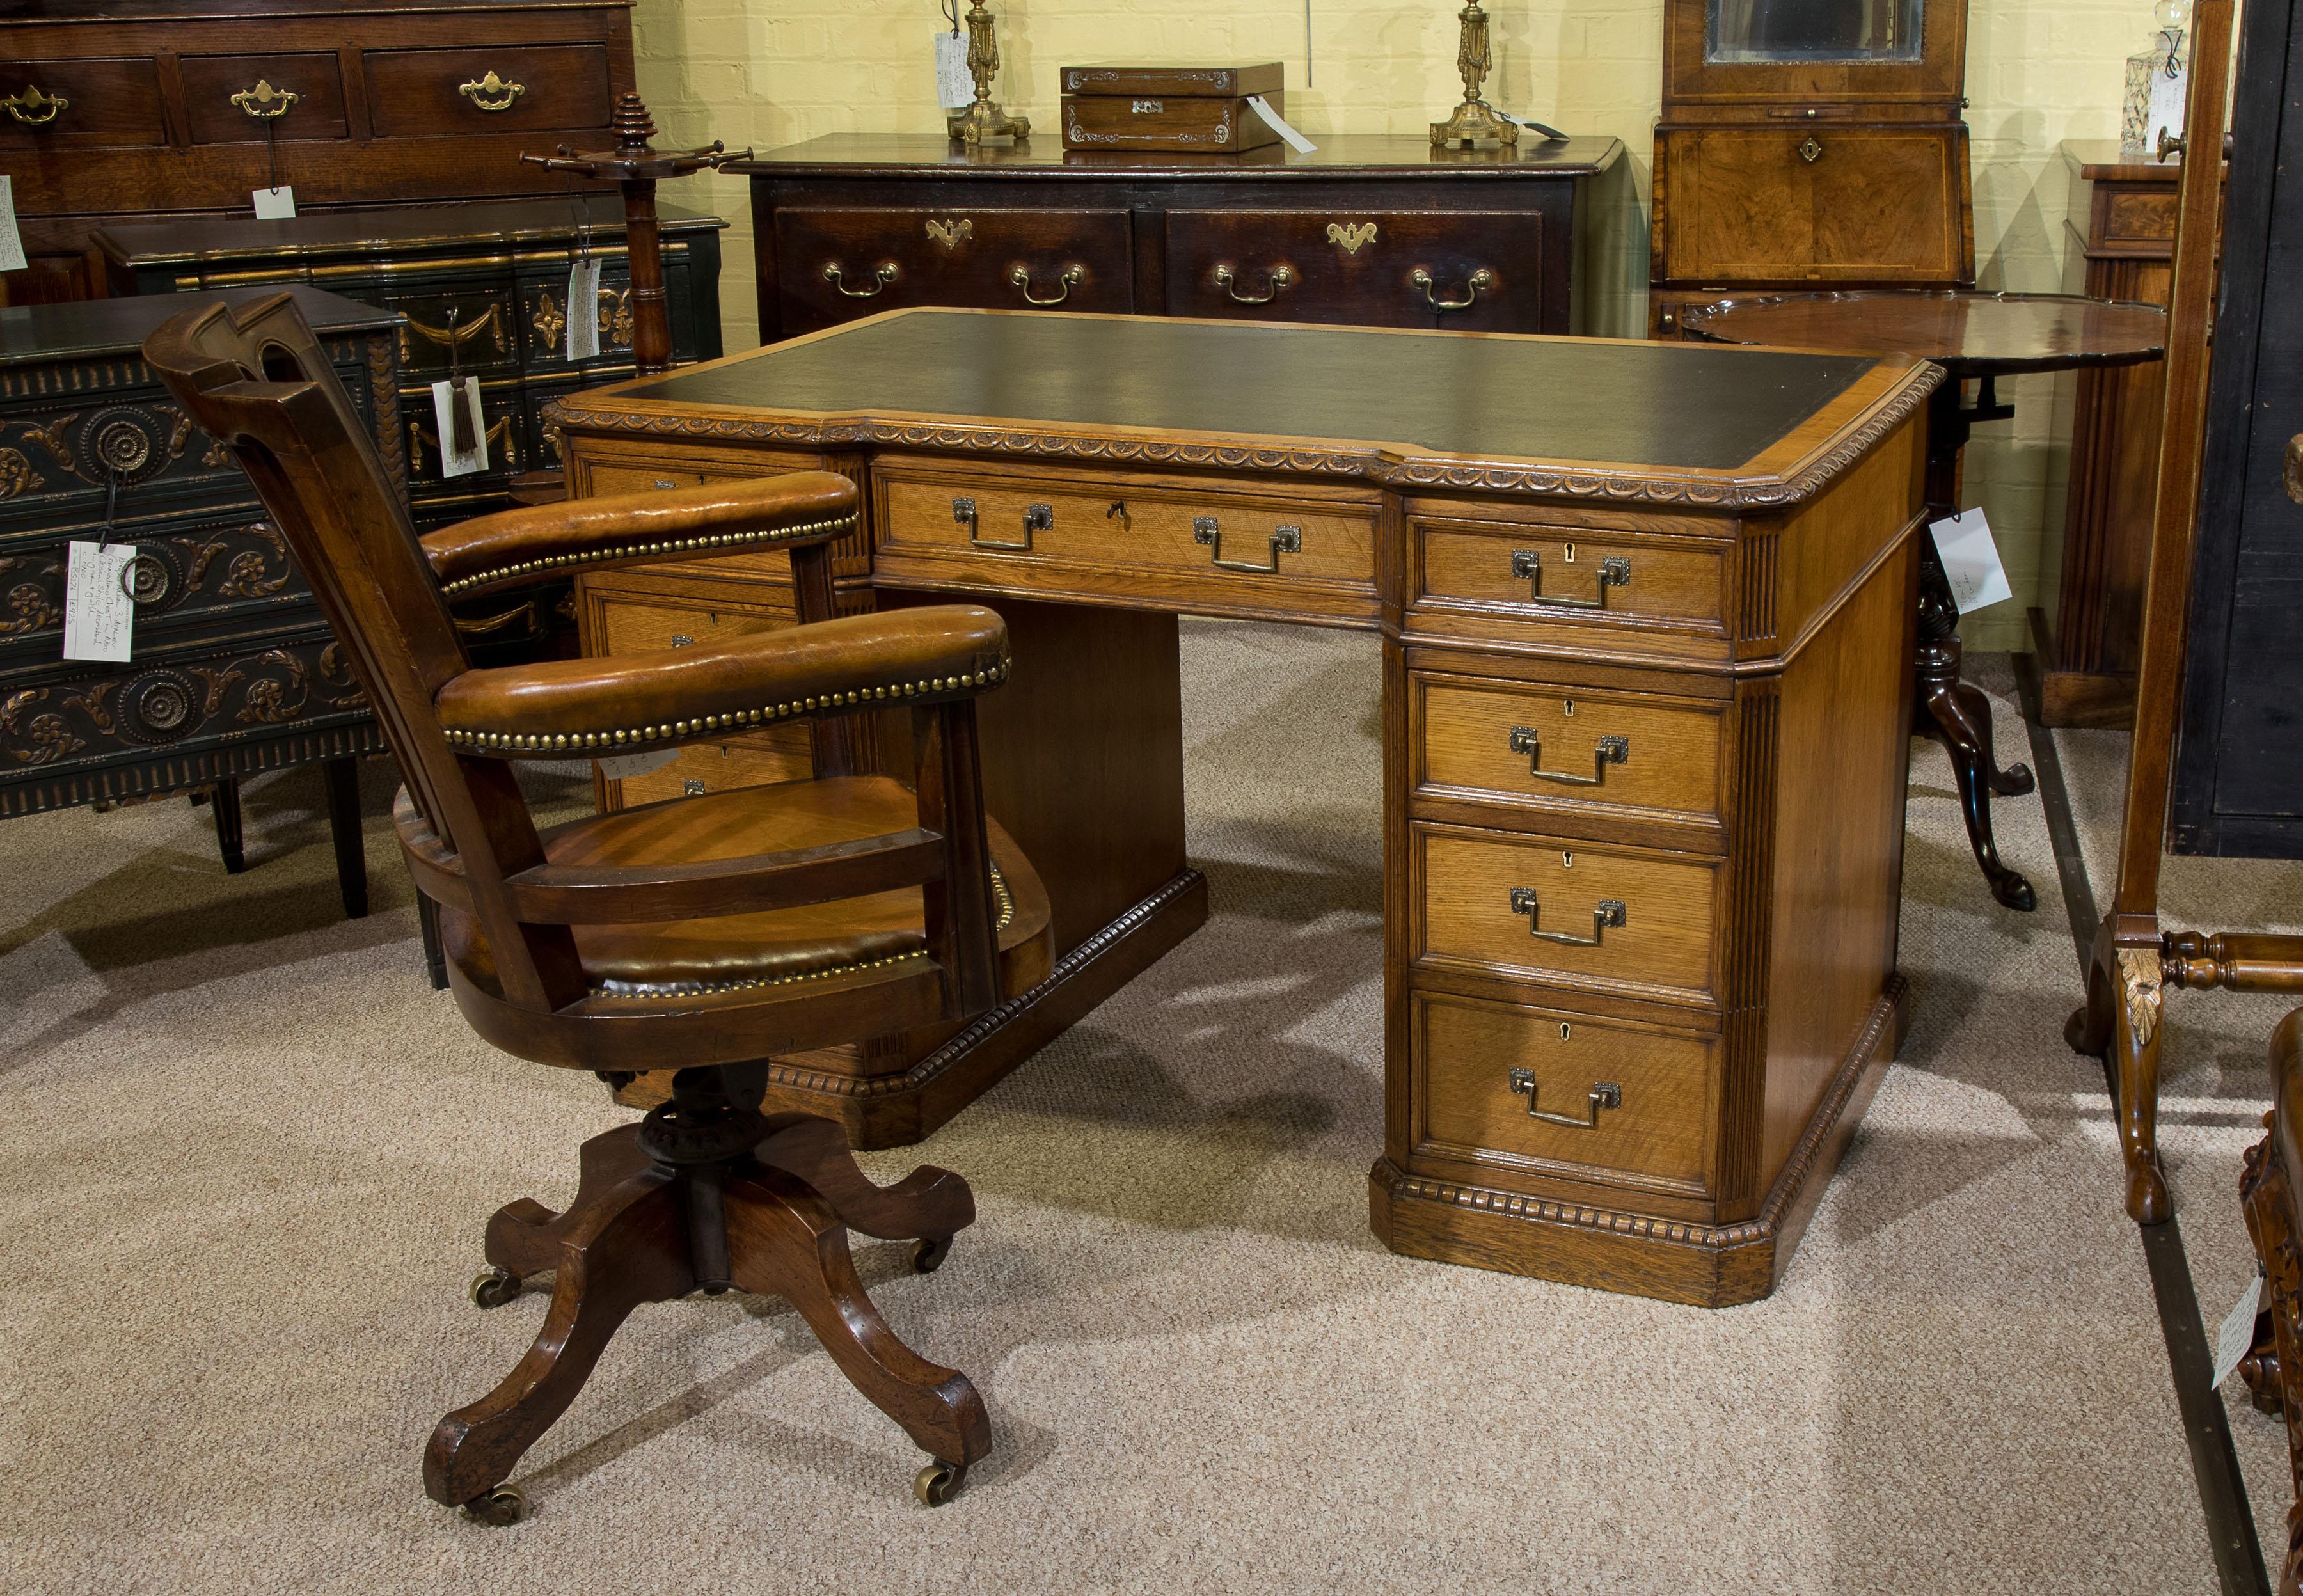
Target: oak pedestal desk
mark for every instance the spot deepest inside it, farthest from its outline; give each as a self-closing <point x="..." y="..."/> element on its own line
<point x="1646" y="614"/>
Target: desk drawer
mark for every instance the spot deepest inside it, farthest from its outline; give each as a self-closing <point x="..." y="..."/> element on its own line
<point x="316" y="78"/>
<point x="1564" y="573"/>
<point x="1484" y="1071"/>
<point x="104" y="101"/>
<point x="488" y="89"/>
<point x="777" y="756"/>
<point x="1488" y="904"/>
<point x="1529" y="745"/>
<point x="1461" y="270"/>
<point x="629" y="628"/>
<point x="834" y="264"/>
<point x="1244" y="543"/>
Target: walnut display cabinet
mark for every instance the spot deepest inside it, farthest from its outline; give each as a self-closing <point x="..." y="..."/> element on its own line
<point x="1809" y="144"/>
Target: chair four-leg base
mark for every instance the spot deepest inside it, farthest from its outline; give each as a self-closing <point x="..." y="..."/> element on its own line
<point x="647" y="1228"/>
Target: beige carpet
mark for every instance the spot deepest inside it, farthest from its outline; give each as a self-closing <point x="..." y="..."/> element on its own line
<point x="244" y="1156"/>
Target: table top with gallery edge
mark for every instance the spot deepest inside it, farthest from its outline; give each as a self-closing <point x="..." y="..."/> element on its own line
<point x="1967" y="332"/>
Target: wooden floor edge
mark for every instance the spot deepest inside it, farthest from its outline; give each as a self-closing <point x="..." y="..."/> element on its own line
<point x="1616" y="1250"/>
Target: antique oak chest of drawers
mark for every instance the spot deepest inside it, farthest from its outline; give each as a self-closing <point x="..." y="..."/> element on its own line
<point x="121" y="110"/>
<point x="1376" y="231"/>
<point x="232" y="670"/>
<point x="1646" y="644"/>
<point x="481" y="287"/>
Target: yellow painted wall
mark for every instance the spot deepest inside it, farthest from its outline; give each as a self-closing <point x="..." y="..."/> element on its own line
<point x="768" y="73"/>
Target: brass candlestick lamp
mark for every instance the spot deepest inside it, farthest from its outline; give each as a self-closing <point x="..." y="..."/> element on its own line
<point x="1475" y="121"/>
<point x="984" y="119"/>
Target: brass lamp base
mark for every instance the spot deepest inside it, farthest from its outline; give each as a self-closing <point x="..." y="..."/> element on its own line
<point x="985" y="120"/>
<point x="1474" y="123"/>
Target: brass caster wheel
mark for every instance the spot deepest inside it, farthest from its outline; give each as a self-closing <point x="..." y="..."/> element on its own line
<point x="493" y="1288"/>
<point x="927" y="1253"/>
<point x="500" y="1506"/>
<point x="939" y="1482"/>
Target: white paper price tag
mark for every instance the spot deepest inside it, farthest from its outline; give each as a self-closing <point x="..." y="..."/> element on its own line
<point x="98" y="614"/>
<point x="275" y="205"/>
<point x="11" y="242"/>
<point x="2238" y="1333"/>
<point x="584" y="309"/>
<point x="1279" y="124"/>
<point x="1970" y="560"/>
<point x="2164" y="112"/>
<point x="624" y="765"/>
<point x="451" y="463"/>
<point x="954" y="84"/>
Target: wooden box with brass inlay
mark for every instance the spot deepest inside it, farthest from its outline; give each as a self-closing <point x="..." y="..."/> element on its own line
<point x="1587" y="1101"/>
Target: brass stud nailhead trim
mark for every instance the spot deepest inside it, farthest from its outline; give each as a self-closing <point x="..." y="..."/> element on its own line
<point x="523" y="742"/>
<point x="663" y="545"/>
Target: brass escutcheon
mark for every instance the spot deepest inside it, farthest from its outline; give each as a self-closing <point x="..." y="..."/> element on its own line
<point x="949" y="233"/>
<point x="1615" y="571"/>
<point x="29" y="106"/>
<point x="265" y="102"/>
<point x="1609" y="912"/>
<point x="1611" y="750"/>
<point x="492" y="93"/>
<point x="1351" y="235"/>
<point x="1604" y="1095"/>
<point x="1810" y="151"/>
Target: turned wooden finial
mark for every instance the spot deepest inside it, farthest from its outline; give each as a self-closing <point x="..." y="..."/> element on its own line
<point x="632" y="125"/>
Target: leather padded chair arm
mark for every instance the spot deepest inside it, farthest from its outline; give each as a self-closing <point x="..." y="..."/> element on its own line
<point x="625" y="703"/>
<point x="516" y="546"/>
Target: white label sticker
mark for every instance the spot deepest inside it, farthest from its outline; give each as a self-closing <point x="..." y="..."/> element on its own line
<point x="621" y="766"/>
<point x="275" y="205"/>
<point x="98" y="614"/>
<point x="2238" y="1333"/>
<point x="584" y="309"/>
<point x="2164" y="112"/>
<point x="452" y="464"/>
<point x="1970" y="560"/>
<point x="1279" y="124"/>
<point x="11" y="242"/>
<point x="954" y="84"/>
<point x="1532" y="126"/>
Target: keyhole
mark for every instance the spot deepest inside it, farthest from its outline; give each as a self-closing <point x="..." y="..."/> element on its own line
<point x="1567" y="707"/>
<point x="1566" y="860"/>
<point x="1563" y="1030"/>
<point x="1571" y="553"/>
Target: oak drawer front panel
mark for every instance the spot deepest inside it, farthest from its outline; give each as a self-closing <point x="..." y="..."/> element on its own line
<point x="316" y="78"/>
<point x="1487" y="741"/>
<point x="837" y="263"/>
<point x="1630" y="922"/>
<point x="1459" y="270"/>
<point x="511" y="88"/>
<point x="104" y="101"/>
<point x="1254" y="544"/>
<point x="1485" y="1071"/>
<point x="1874" y="204"/>
<point x="627" y="627"/>
<point x="1564" y="573"/>
<point x="780" y="756"/>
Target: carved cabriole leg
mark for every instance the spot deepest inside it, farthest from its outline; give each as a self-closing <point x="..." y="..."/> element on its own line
<point x="524" y="1236"/>
<point x="631" y="1248"/>
<point x="784" y="1239"/>
<point x="2135" y="1037"/>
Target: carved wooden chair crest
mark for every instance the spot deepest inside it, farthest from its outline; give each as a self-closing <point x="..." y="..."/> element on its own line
<point x="708" y="934"/>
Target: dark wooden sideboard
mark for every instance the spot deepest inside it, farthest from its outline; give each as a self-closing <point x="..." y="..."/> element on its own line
<point x="490" y="278"/>
<point x="1380" y="231"/>
<point x="116" y="110"/>
<point x="233" y="668"/>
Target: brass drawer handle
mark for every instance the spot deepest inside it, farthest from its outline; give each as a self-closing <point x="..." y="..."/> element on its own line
<point x="691" y="788"/>
<point x="1477" y="284"/>
<point x="29" y="106"/>
<point x="882" y="274"/>
<point x="1612" y="750"/>
<point x="1071" y="277"/>
<point x="452" y="337"/>
<point x="1282" y="279"/>
<point x="492" y="93"/>
<point x="1037" y="518"/>
<point x="1605" y="1094"/>
<point x="1615" y="571"/>
<point x="265" y="102"/>
<point x="1285" y="540"/>
<point x="1609" y="912"/>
